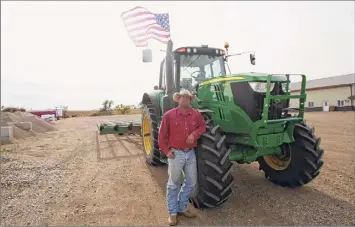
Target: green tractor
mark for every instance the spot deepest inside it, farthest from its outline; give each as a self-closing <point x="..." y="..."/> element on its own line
<point x="247" y="117"/>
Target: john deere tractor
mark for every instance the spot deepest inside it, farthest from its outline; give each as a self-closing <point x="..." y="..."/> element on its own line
<point x="247" y="117"/>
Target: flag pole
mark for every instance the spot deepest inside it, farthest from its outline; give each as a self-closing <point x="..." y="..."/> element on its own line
<point x="169" y="27"/>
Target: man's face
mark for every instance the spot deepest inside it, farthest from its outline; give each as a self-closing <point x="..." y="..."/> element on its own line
<point x="184" y="101"/>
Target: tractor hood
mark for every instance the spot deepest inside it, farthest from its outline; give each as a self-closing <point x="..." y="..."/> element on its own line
<point x="255" y="77"/>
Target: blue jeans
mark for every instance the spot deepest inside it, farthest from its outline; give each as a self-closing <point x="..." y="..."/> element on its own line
<point x="186" y="161"/>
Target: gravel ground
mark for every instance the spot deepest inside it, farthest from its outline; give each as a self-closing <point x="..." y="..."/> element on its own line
<point x="74" y="177"/>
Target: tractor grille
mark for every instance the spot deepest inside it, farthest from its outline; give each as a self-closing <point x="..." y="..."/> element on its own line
<point x="219" y="93"/>
<point x="220" y="97"/>
<point x="252" y="102"/>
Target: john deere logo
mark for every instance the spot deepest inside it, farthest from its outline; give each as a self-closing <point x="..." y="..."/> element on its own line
<point x="277" y="101"/>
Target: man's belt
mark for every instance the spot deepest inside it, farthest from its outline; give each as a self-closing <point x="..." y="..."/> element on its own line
<point x="182" y="149"/>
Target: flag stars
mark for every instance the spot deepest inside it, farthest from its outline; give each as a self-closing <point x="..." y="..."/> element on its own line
<point x="163" y="20"/>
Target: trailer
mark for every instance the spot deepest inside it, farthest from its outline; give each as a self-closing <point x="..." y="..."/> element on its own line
<point x="39" y="113"/>
<point x="119" y="127"/>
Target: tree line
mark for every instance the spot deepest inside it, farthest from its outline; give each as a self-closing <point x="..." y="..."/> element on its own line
<point x="107" y="106"/>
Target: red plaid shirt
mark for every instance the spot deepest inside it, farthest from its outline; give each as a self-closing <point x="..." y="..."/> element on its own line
<point x="176" y="126"/>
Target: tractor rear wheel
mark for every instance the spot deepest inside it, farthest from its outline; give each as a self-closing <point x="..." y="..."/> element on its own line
<point x="300" y="161"/>
<point x="214" y="169"/>
<point x="149" y="132"/>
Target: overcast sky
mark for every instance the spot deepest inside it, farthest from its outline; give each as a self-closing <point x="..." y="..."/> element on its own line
<point x="79" y="54"/>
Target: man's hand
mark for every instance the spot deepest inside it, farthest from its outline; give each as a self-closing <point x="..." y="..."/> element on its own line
<point x="190" y="139"/>
<point x="170" y="155"/>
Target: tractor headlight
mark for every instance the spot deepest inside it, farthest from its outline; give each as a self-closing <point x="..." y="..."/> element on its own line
<point x="260" y="86"/>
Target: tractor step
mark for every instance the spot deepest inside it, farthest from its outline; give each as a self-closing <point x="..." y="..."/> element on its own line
<point x="119" y="127"/>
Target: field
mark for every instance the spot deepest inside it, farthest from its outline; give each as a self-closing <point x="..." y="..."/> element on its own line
<point x="81" y="113"/>
<point x="71" y="176"/>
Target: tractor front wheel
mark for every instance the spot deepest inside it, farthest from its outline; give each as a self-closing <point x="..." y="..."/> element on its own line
<point x="299" y="162"/>
<point x="149" y="132"/>
<point x="214" y="169"/>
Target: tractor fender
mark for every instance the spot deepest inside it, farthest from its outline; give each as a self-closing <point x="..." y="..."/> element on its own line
<point x="152" y="97"/>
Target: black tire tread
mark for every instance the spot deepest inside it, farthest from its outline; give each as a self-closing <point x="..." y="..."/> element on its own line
<point x="306" y="160"/>
<point x="214" y="169"/>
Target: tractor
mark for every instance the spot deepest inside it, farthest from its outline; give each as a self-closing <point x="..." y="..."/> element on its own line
<point x="247" y="116"/>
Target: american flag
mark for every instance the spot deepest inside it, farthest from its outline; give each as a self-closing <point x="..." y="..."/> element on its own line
<point x="141" y="25"/>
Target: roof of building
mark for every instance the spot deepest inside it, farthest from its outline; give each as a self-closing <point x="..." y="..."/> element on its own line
<point x="326" y="82"/>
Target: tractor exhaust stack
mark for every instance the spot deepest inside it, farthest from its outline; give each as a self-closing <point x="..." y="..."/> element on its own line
<point x="168" y="102"/>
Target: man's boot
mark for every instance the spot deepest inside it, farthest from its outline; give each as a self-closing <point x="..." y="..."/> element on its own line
<point x="172" y="220"/>
<point x="188" y="214"/>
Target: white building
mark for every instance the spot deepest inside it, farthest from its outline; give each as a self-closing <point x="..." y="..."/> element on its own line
<point x="334" y="93"/>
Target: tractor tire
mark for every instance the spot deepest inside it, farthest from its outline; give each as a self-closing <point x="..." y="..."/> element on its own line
<point x="214" y="180"/>
<point x="149" y="133"/>
<point x="304" y="162"/>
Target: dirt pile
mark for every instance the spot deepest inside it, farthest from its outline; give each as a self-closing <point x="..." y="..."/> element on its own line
<point x="19" y="133"/>
<point x="38" y="125"/>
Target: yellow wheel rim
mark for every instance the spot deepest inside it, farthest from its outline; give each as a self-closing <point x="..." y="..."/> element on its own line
<point x="279" y="162"/>
<point x="147" y="141"/>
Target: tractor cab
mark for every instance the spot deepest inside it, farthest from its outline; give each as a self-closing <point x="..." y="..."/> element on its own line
<point x="194" y="65"/>
<point x="191" y="66"/>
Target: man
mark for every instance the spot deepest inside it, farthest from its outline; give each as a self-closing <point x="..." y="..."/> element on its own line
<point x="178" y="134"/>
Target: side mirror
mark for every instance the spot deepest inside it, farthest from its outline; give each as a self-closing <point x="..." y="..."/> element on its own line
<point x="147" y="55"/>
<point x="252" y="59"/>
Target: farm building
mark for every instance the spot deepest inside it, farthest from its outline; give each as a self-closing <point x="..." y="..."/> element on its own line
<point x="335" y="93"/>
